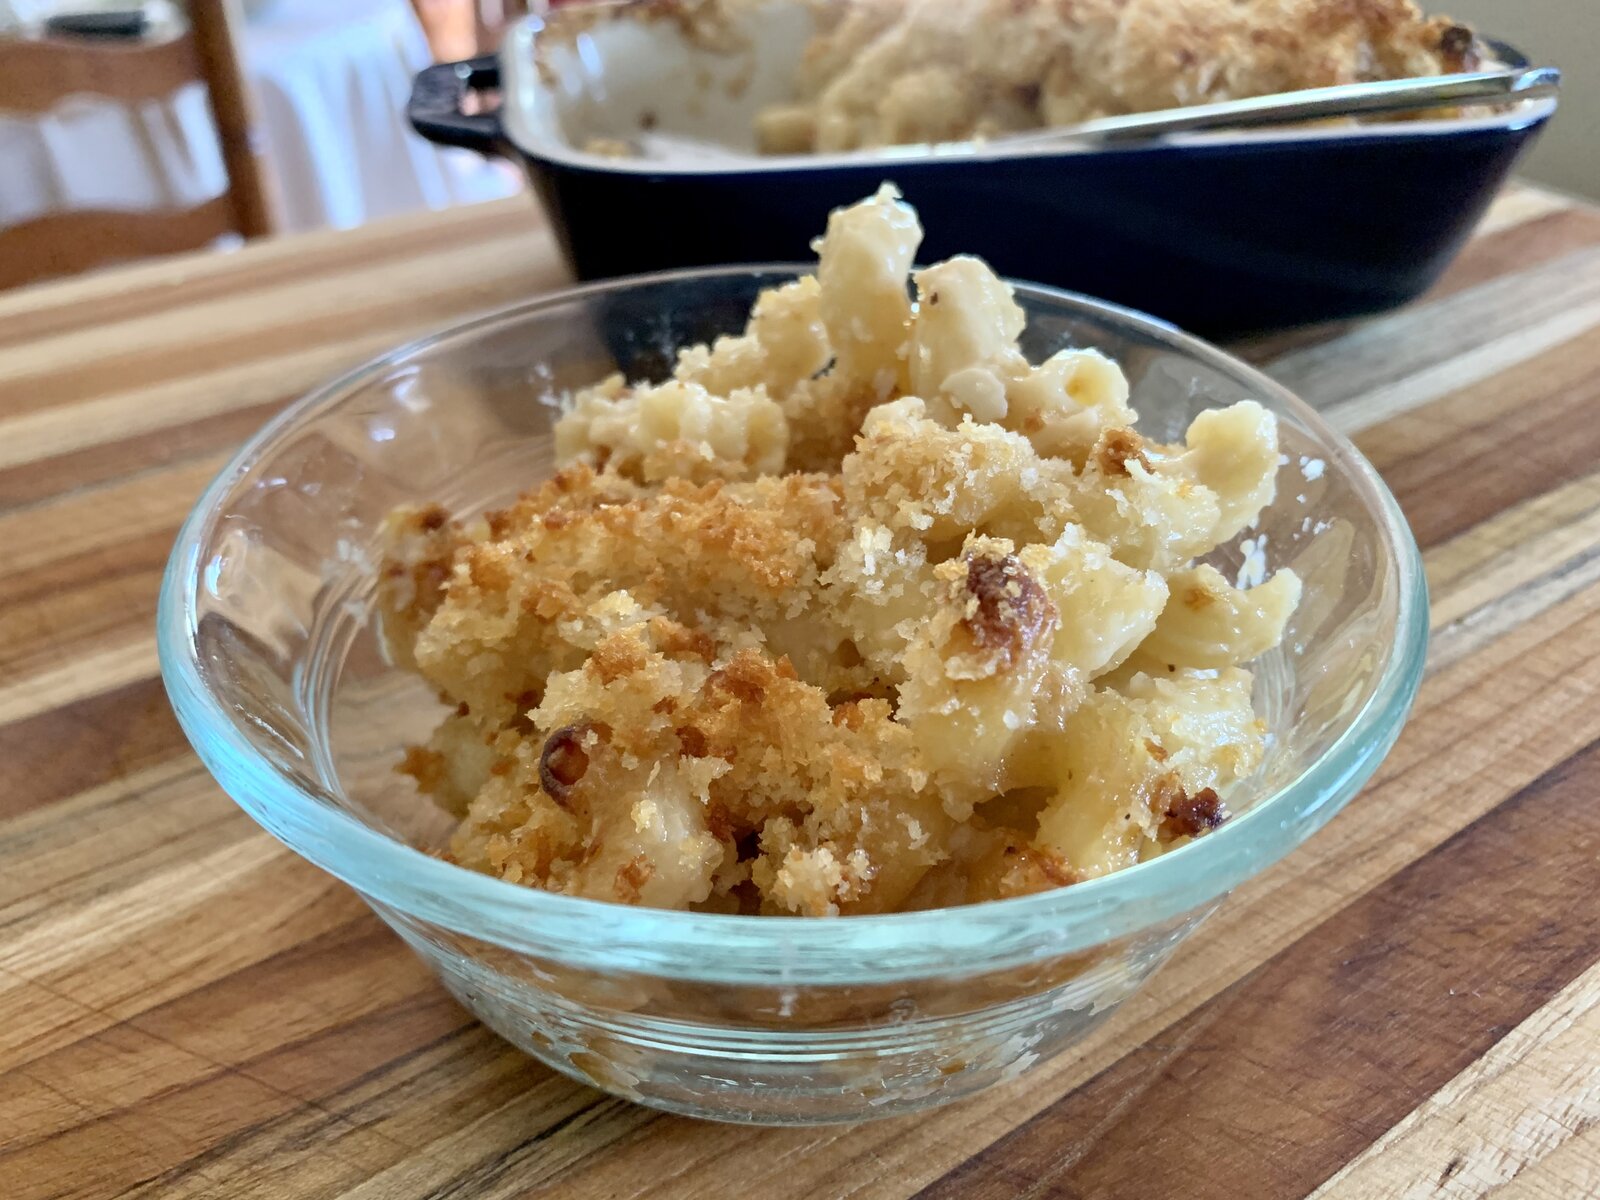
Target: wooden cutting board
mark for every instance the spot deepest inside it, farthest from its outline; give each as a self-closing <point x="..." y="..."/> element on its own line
<point x="1407" y="1006"/>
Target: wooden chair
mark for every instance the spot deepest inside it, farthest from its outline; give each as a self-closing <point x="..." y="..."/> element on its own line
<point x="36" y="74"/>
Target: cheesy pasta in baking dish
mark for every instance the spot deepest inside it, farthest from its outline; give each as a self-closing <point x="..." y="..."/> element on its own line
<point x="860" y="611"/>
<point x="884" y="72"/>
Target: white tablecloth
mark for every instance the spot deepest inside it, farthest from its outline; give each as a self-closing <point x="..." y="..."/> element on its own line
<point x="331" y="77"/>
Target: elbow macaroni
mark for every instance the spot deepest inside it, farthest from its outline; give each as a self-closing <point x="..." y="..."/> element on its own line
<point x="858" y="612"/>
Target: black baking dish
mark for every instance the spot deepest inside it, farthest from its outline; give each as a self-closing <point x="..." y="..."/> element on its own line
<point x="1223" y="233"/>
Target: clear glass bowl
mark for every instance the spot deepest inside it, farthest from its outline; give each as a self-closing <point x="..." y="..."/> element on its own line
<point x="268" y="651"/>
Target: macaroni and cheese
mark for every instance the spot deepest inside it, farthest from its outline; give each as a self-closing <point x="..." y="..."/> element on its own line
<point x="860" y="611"/>
<point x="885" y="72"/>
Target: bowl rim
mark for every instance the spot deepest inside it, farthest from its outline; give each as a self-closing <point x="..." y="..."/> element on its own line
<point x="404" y="882"/>
<point x="518" y="64"/>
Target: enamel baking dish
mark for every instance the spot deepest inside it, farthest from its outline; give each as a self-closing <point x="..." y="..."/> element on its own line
<point x="1223" y="233"/>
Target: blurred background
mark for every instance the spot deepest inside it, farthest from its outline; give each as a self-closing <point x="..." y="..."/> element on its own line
<point x="131" y="128"/>
<point x="244" y="118"/>
<point x="1565" y="33"/>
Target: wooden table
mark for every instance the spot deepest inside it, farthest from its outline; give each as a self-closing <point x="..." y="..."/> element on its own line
<point x="1410" y="1005"/>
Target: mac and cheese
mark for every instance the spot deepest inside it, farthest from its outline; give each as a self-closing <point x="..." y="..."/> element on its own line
<point x="859" y="612"/>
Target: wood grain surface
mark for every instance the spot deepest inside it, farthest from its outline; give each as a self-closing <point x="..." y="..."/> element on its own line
<point x="1408" y="1006"/>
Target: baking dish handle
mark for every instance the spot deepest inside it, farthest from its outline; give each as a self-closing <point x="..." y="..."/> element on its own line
<point x="437" y="96"/>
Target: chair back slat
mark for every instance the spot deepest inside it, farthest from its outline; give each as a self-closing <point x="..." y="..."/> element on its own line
<point x="69" y="242"/>
<point x="36" y="74"/>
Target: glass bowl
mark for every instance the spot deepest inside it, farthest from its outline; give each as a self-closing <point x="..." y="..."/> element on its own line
<point x="269" y="655"/>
